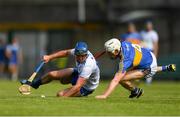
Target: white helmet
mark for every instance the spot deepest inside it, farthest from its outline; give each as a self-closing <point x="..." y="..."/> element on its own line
<point x="112" y="45"/>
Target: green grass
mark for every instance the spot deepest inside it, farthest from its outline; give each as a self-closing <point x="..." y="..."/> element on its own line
<point x="160" y="98"/>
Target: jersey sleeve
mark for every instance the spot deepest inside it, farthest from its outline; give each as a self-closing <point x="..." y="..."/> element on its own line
<point x="86" y="72"/>
<point x="72" y="52"/>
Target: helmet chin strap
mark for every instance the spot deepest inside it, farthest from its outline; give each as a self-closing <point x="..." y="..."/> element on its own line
<point x="119" y="54"/>
<point x="120" y="51"/>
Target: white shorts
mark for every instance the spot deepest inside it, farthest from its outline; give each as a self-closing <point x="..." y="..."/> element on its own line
<point x="153" y="67"/>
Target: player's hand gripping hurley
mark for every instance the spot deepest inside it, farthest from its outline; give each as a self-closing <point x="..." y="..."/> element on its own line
<point x="25" y="88"/>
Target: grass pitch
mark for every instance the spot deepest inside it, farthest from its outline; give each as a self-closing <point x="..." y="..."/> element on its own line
<point x="160" y="98"/>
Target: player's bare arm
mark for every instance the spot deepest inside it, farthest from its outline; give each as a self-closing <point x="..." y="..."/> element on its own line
<point x="155" y="44"/>
<point x="62" y="53"/>
<point x="76" y="88"/>
<point x="99" y="54"/>
<point x="112" y="85"/>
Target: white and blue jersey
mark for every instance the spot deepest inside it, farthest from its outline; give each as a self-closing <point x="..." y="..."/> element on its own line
<point x="88" y="70"/>
<point x="14" y="52"/>
<point x="149" y="37"/>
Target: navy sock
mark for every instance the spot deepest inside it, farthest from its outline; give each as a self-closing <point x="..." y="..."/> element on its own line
<point x="164" y="68"/>
<point x="36" y="83"/>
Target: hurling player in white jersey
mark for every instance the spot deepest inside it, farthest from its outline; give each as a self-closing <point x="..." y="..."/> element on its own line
<point x="150" y="38"/>
<point x="84" y="77"/>
<point x="150" y="41"/>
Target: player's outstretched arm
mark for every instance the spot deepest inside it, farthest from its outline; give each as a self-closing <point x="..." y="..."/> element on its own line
<point x="62" y="53"/>
<point x="115" y="81"/>
<point x="99" y="54"/>
<point x="75" y="90"/>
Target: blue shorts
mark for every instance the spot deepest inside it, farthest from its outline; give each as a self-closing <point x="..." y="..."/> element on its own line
<point x="83" y="91"/>
<point x="75" y="76"/>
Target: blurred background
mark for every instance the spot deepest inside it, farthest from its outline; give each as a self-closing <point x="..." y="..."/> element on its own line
<point x="46" y="26"/>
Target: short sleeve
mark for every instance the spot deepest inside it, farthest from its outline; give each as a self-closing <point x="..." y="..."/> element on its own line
<point x="86" y="72"/>
<point x="72" y="52"/>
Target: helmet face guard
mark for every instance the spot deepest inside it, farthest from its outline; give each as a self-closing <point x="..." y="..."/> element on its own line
<point x="112" y="45"/>
<point x="81" y="48"/>
<point x="80" y="52"/>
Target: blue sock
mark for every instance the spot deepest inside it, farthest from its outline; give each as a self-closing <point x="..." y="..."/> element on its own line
<point x="36" y="83"/>
<point x="164" y="68"/>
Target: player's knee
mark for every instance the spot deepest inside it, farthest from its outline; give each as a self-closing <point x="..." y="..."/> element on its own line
<point x="52" y="74"/>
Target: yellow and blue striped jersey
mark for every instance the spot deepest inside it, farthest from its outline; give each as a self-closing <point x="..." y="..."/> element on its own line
<point x="133" y="56"/>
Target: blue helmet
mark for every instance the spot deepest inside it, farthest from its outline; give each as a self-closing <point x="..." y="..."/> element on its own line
<point x="81" y="48"/>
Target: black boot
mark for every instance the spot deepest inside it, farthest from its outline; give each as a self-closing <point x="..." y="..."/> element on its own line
<point x="137" y="92"/>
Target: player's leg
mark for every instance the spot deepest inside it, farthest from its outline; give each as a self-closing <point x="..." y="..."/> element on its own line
<point x="13" y="68"/>
<point x="2" y="66"/>
<point x="135" y="91"/>
<point x="127" y="82"/>
<point x="134" y="75"/>
<point x="127" y="85"/>
<point x="153" y="68"/>
<point x="70" y="78"/>
<point x="169" y="68"/>
<point x="166" y="68"/>
<point x="53" y="75"/>
<point x="63" y="74"/>
<point x="137" y="74"/>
